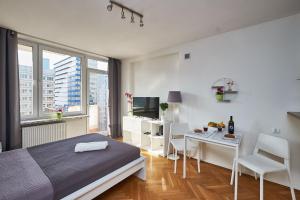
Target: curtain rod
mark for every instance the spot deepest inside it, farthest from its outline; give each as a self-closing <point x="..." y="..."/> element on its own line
<point x="25" y="36"/>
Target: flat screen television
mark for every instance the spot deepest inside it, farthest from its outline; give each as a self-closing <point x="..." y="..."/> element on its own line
<point x="146" y="107"/>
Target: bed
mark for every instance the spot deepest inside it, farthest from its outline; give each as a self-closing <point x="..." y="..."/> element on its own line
<point x="55" y="171"/>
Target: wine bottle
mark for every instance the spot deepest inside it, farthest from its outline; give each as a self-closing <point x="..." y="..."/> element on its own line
<point x="231" y="126"/>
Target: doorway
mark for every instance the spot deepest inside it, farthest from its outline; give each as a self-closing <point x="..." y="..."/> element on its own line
<point x="98" y="96"/>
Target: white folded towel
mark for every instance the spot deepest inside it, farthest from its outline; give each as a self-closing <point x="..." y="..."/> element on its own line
<point x="90" y="146"/>
<point x="212" y="130"/>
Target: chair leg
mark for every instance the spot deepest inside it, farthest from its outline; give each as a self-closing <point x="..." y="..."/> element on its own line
<point x="175" y="165"/>
<point x="198" y="160"/>
<point x="232" y="172"/>
<point x="168" y="151"/>
<point x="261" y="187"/>
<point x="291" y="185"/>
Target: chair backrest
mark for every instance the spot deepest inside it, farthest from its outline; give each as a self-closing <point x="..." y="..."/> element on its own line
<point x="273" y="145"/>
<point x="178" y="129"/>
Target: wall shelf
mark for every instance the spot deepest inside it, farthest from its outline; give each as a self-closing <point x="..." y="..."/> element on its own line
<point x="225" y="87"/>
<point x="230" y="92"/>
<point x="225" y="101"/>
<point x="217" y="86"/>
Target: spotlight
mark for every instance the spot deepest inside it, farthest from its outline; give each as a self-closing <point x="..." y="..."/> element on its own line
<point x="137" y="15"/>
<point x="109" y="7"/>
<point x="132" y="18"/>
<point x="141" y="22"/>
<point x="123" y="14"/>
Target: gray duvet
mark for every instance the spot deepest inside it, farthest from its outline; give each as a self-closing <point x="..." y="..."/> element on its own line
<point x="69" y="171"/>
<point x="54" y="170"/>
<point x="22" y="178"/>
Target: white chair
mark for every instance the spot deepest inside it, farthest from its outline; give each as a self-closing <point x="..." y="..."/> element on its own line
<point x="177" y="131"/>
<point x="261" y="164"/>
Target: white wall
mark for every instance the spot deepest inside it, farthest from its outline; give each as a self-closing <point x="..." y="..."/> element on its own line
<point x="264" y="60"/>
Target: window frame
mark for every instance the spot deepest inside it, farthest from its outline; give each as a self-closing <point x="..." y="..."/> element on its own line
<point x="97" y="59"/>
<point x="97" y="71"/>
<point x="37" y="54"/>
<point x="89" y="70"/>
<point x="43" y="47"/>
<point x="35" y="91"/>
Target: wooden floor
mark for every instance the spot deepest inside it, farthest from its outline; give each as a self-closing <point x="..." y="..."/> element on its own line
<point x="212" y="183"/>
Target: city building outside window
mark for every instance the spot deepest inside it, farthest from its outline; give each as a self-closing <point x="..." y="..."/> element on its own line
<point x="25" y="55"/>
<point x="61" y="81"/>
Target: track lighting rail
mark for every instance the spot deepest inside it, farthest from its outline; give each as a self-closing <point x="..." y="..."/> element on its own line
<point x="125" y="8"/>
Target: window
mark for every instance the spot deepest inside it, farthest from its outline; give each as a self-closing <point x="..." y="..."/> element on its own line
<point x="25" y="56"/>
<point x="97" y="64"/>
<point x="50" y="79"/>
<point x="61" y="82"/>
<point x="98" y="95"/>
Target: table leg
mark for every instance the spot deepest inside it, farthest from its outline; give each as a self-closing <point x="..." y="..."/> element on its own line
<point x="184" y="158"/>
<point x="236" y="172"/>
<point x="232" y="172"/>
<point x="201" y="150"/>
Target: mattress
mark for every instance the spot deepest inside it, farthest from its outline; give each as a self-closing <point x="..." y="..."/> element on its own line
<point x="69" y="171"/>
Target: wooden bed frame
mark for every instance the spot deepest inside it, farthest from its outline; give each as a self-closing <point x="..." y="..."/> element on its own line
<point x="136" y="167"/>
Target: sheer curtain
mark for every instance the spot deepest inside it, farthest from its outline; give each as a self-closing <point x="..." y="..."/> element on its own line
<point x="114" y="85"/>
<point x="10" y="131"/>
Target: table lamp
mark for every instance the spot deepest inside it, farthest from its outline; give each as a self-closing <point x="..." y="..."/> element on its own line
<point x="174" y="97"/>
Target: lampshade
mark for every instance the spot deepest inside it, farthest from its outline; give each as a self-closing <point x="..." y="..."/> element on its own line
<point x="174" y="97"/>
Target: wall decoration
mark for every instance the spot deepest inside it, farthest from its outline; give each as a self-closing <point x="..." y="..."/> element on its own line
<point x="224" y="89"/>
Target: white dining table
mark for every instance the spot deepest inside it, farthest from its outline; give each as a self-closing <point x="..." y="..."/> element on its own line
<point x="216" y="138"/>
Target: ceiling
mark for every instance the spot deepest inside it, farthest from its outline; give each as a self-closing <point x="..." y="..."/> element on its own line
<point x="87" y="25"/>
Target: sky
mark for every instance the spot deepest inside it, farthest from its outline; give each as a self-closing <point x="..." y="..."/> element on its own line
<point x="25" y="56"/>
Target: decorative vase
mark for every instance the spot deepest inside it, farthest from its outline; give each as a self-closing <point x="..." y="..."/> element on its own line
<point x="129" y="109"/>
<point x="219" y="97"/>
<point x="59" y="115"/>
<point x="162" y="118"/>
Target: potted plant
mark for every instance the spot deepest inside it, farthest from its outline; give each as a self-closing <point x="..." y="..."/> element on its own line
<point x="163" y="107"/>
<point x="59" y="113"/>
<point x="129" y="103"/>
<point x="220" y="94"/>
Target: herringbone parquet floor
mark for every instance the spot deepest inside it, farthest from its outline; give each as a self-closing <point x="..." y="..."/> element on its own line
<point x="211" y="184"/>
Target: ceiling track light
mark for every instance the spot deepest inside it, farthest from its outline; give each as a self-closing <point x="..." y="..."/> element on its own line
<point x="109" y="7"/>
<point x="123" y="14"/>
<point x="125" y="8"/>
<point x="132" y="18"/>
<point x="141" y="22"/>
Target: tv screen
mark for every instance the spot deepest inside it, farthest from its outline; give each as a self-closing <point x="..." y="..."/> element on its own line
<point x="146" y="107"/>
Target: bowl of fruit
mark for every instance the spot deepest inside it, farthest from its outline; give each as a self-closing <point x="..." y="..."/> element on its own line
<point x="219" y="126"/>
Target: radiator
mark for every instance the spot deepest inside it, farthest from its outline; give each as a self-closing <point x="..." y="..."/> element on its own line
<point x="41" y="134"/>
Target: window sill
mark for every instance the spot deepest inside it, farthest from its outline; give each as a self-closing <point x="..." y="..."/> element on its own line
<point x="37" y="122"/>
